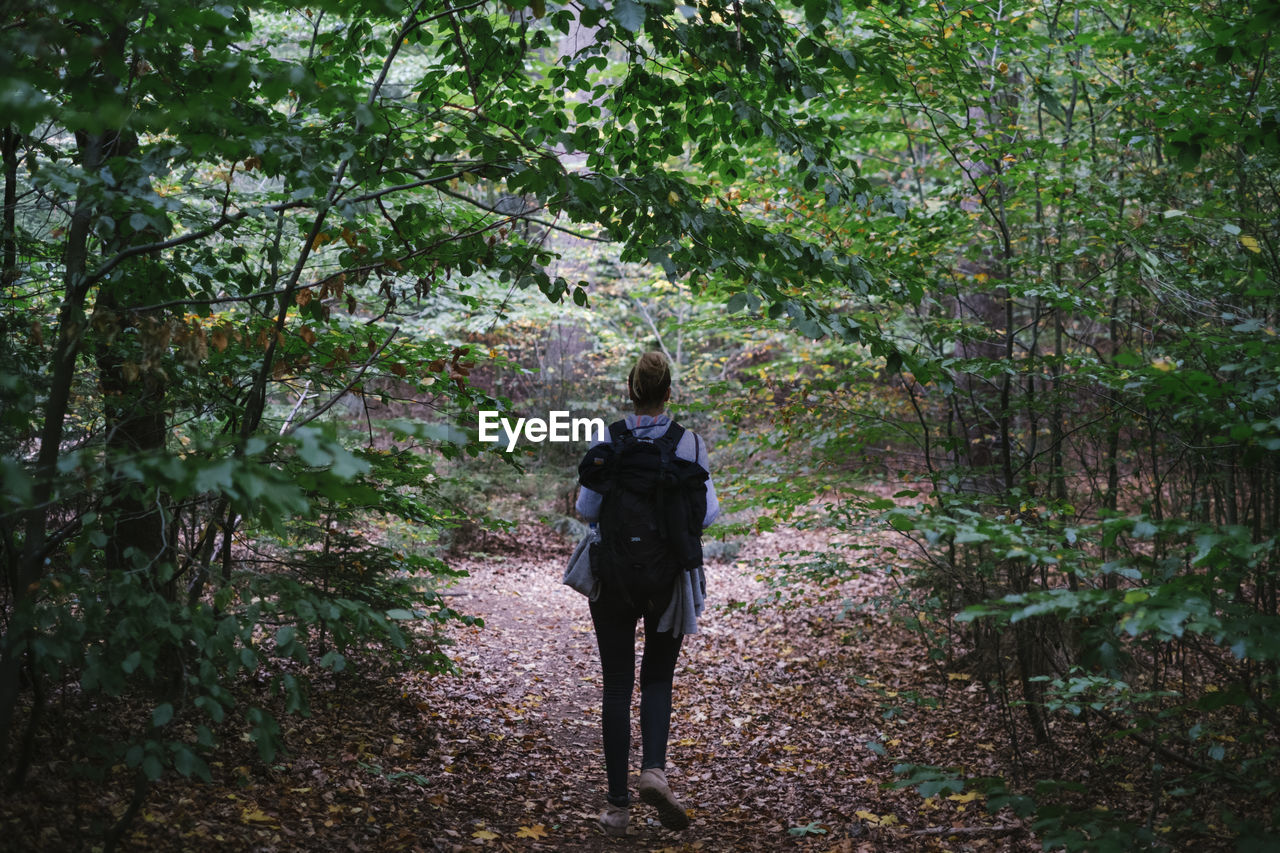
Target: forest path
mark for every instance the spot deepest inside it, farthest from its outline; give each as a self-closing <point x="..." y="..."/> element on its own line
<point x="787" y="724"/>
<point x="773" y="711"/>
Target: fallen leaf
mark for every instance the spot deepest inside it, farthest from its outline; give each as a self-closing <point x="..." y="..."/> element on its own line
<point x="537" y="832"/>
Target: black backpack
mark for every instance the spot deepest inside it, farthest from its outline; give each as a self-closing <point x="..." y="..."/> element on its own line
<point x="651" y="516"/>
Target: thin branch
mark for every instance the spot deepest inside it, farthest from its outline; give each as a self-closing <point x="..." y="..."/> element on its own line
<point x="296" y="406"/>
<point x="217" y="300"/>
<point x="644" y="312"/>
<point x="509" y="217"/>
<point x="181" y="240"/>
<point x="359" y="374"/>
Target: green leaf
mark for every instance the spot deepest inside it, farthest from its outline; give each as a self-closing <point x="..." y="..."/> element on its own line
<point x="901" y="522"/>
<point x="811" y="828"/>
<point x="162" y="715"/>
<point x="1143" y="529"/>
<point x="629" y="14"/>
<point x="940" y="786"/>
<point x="189" y="764"/>
<point x="334" y="661"/>
<point x="152" y="768"/>
<point x="815" y="11"/>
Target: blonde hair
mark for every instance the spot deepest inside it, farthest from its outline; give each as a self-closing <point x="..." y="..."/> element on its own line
<point x="649" y="381"/>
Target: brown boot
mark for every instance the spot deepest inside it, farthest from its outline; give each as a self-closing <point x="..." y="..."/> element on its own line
<point x="614" y="819"/>
<point x="654" y="790"/>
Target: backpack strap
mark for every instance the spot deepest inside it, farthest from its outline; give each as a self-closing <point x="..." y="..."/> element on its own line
<point x="672" y="436"/>
<point x="618" y="431"/>
<point x="619" y="434"/>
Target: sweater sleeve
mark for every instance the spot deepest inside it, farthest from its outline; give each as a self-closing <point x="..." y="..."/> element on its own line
<point x="694" y="448"/>
<point x="588" y="505"/>
<point x="589" y="501"/>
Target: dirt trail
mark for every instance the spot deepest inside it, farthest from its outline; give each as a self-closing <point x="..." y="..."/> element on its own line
<point x="773" y="713"/>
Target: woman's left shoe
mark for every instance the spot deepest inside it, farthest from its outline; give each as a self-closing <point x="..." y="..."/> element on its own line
<point x="614" y="819"/>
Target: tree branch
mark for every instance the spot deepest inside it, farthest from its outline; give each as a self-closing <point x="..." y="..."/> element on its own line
<point x="336" y="397"/>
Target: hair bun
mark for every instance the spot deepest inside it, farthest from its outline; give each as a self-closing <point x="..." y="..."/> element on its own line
<point x="649" y="380"/>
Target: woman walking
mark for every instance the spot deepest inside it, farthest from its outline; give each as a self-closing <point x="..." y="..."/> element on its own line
<point x="667" y="616"/>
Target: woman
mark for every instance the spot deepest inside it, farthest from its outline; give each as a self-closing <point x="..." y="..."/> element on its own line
<point x="649" y="386"/>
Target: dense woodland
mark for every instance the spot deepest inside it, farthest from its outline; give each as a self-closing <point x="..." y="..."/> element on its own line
<point x="981" y="298"/>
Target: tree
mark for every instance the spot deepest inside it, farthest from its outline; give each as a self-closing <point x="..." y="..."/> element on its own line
<point x="219" y="222"/>
<point x="1096" y="182"/>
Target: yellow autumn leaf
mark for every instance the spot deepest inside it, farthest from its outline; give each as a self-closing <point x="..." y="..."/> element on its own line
<point x="674" y="198"/>
<point x="958" y="676"/>
<point x="963" y="798"/>
<point x="255" y="815"/>
<point x="484" y="835"/>
<point x="1250" y="243"/>
<point x="537" y="832"/>
<point x="869" y="817"/>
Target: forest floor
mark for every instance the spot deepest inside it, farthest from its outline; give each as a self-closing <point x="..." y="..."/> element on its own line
<point x="786" y="728"/>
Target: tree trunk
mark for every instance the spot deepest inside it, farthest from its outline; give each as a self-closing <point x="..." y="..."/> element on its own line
<point x="66" y="350"/>
<point x="133" y="385"/>
<point x="9" y="140"/>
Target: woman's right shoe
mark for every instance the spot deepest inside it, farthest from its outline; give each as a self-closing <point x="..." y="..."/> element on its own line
<point x="654" y="790"/>
<point x="614" y="819"/>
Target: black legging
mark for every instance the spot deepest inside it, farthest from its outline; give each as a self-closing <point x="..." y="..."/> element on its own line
<point x="616" y="637"/>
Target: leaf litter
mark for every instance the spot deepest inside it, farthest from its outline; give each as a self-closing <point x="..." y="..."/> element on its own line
<point x="786" y="726"/>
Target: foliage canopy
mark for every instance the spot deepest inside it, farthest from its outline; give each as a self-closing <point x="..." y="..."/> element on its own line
<point x="1025" y="255"/>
